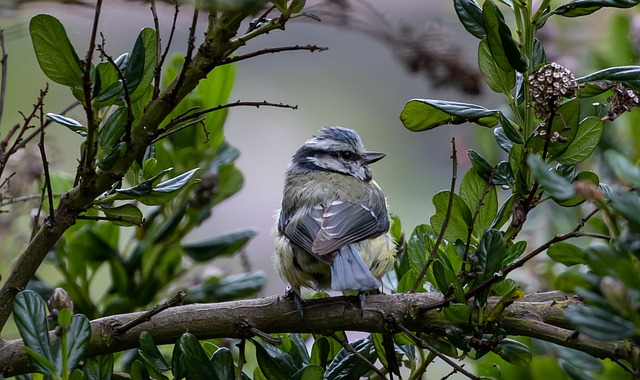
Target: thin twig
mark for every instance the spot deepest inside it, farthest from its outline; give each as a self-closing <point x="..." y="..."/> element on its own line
<point x="623" y="365"/>
<point x="574" y="232"/>
<point x="22" y="198"/>
<point x="445" y="222"/>
<point x="184" y="126"/>
<point x="236" y="58"/>
<point x="352" y="350"/>
<point x="192" y="115"/>
<point x="241" y="358"/>
<point x="421" y="343"/>
<point x="175" y="301"/>
<point x="108" y="218"/>
<point x="157" y="69"/>
<point x="3" y="62"/>
<point x="190" y="47"/>
<point x="45" y="165"/>
<point x="47" y="122"/>
<point x="156" y="86"/>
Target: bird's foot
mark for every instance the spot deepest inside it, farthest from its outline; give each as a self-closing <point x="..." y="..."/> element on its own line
<point x="290" y="293"/>
<point x="362" y="297"/>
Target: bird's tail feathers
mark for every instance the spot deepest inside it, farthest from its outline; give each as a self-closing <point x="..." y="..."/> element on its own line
<point x="349" y="271"/>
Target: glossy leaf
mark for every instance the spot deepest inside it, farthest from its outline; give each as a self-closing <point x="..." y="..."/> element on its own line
<point x="419" y="246"/>
<point x="484" y="169"/>
<point x="577" y="8"/>
<point x="230" y="181"/>
<point x="125" y="215"/>
<point x="424" y="114"/>
<point x="459" y="220"/>
<point x="150" y="353"/>
<point x="627" y="75"/>
<point x="160" y="193"/>
<point x="497" y="78"/>
<point x="228" y="288"/>
<point x="470" y="15"/>
<point x="347" y="365"/>
<point x="501" y="138"/>
<point x="273" y="362"/>
<point x="623" y="169"/>
<point x="599" y="323"/>
<point x="220" y="246"/>
<point x="566" y="253"/>
<point x="196" y="362"/>
<point x="504" y="213"/>
<point x="98" y="368"/>
<point x="446" y="281"/>
<point x="557" y="187"/>
<point x="113" y="129"/>
<point x="513" y="352"/>
<point x="514" y="252"/>
<point x="504" y="49"/>
<point x="68" y="122"/>
<point x="510" y="130"/>
<point x="586" y="139"/>
<point x="141" y="67"/>
<point x="223" y="366"/>
<point x="78" y="337"/>
<point x="30" y="316"/>
<point x="481" y="199"/>
<point x="458" y="313"/>
<point x="56" y="56"/>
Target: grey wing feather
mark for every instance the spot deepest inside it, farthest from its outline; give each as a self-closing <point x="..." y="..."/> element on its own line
<point x="349" y="272"/>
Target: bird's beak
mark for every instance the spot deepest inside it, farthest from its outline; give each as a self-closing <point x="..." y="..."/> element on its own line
<point x="371" y="157"/>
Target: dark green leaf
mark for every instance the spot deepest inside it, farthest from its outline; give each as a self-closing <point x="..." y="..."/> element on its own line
<point x="503" y="141"/>
<point x="56" y="56"/>
<point x="424" y="114"/>
<point x="577" y="8"/>
<point x="480" y="165"/>
<point x="39" y="362"/>
<point x="599" y="323"/>
<point x="274" y="363"/>
<point x="503" y="47"/>
<point x="624" y="169"/>
<point x="228" y="288"/>
<point x="98" y="368"/>
<point x="490" y="252"/>
<point x="418" y="247"/>
<point x="510" y="130"/>
<point x="539" y="56"/>
<point x="197" y="364"/>
<point x="566" y="253"/>
<point x="310" y="372"/>
<point x="223" y="366"/>
<point x="458" y="313"/>
<point x="107" y="158"/>
<point x="446" y="281"/>
<point x="143" y="188"/>
<point x="470" y="16"/>
<point x="497" y="78"/>
<point x="504" y="213"/>
<point x="69" y="123"/>
<point x="138" y="371"/>
<point x="584" y="143"/>
<point x="627" y="204"/>
<point x="347" y="365"/>
<point x="513" y="352"/>
<point x="557" y="187"/>
<point x="459" y="220"/>
<point x="125" y="215"/>
<point x="30" y="316"/>
<point x="78" y="337"/>
<point x="162" y="192"/>
<point x="113" y="129"/>
<point x="584" y="176"/>
<point x="299" y="350"/>
<point x="628" y="75"/>
<point x="225" y="245"/>
<point x="140" y="70"/>
<point x="297" y="6"/>
<point x="150" y="353"/>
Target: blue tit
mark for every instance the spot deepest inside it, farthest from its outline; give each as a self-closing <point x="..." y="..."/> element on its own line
<point x="332" y="231"/>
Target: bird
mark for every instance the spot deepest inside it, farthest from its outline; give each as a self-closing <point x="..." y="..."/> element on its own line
<point x="332" y="230"/>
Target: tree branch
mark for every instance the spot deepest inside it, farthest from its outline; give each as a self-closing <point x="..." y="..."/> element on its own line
<point x="539" y="316"/>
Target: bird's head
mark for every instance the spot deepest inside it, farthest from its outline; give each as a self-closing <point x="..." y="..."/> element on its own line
<point x="338" y="150"/>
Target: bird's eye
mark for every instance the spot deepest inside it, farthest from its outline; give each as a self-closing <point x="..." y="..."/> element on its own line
<point x="345" y="154"/>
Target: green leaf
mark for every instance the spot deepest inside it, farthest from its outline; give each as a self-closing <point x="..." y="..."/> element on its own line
<point x="64" y="318"/>
<point x="458" y="313"/>
<point x="504" y="213"/>
<point x="623" y="169"/>
<point x="577" y="8"/>
<point x="141" y="67"/>
<point x="424" y="114"/>
<point x="627" y="75"/>
<point x="599" y="323"/>
<point x="78" y="337"/>
<point x="223" y="366"/>
<point x="558" y="188"/>
<point x="446" y="281"/>
<point x="225" y="245"/>
<point x="567" y="254"/>
<point x="73" y="125"/>
<point x="481" y="198"/>
<point x="161" y="193"/>
<point x="274" y="363"/>
<point x="228" y="288"/>
<point x="98" y="368"/>
<point x="310" y="372"/>
<point x="150" y="353"/>
<point x="627" y="204"/>
<point x="143" y="188"/>
<point x="54" y="52"/>
<point x="504" y="49"/>
<point x="113" y="129"/>
<point x="125" y="215"/>
<point x="347" y="365"/>
<point x="481" y="166"/>
<point x="513" y="252"/>
<point x="418" y="247"/>
<point x="470" y="16"/>
<point x="30" y="316"/>
<point x="459" y="220"/>
<point x="510" y="130"/>
<point x="585" y="142"/>
<point x="196" y="362"/>
<point x="584" y="176"/>
<point x="499" y="80"/>
<point x="513" y="352"/>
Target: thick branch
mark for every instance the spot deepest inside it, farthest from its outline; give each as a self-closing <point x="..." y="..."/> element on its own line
<point x="539" y="316"/>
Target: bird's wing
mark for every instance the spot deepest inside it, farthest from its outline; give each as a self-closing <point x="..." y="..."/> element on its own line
<point x="322" y="230"/>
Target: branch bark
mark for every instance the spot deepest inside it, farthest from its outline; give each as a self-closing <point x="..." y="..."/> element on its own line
<point x="539" y="316"/>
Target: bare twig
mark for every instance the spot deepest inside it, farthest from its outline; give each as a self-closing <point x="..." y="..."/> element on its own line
<point x="156" y="70"/>
<point x="174" y="301"/>
<point x="45" y="167"/>
<point x="3" y="62"/>
<point x="421" y="343"/>
<point x="445" y="222"/>
<point x="156" y="86"/>
<point x="191" y="40"/>
<point x="236" y="58"/>
<point x="184" y="126"/>
<point x="350" y="348"/>
<point x="23" y="198"/>
<point x="47" y="122"/>
<point x="107" y="218"/>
